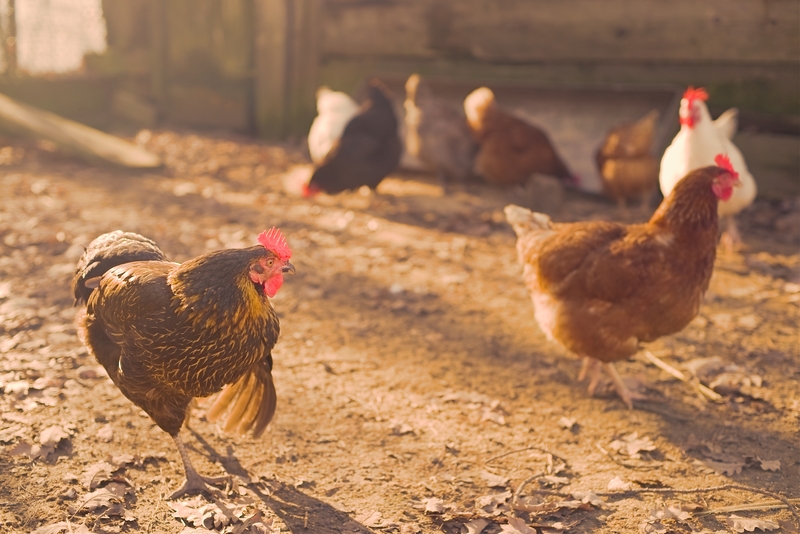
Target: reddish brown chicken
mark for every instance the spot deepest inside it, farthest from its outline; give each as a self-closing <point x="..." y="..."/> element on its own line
<point x="600" y="288"/>
<point x="168" y="332"/>
<point x="510" y="150"/>
<point x="625" y="163"/>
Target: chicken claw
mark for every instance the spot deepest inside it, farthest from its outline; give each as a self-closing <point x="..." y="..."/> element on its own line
<point x="195" y="482"/>
<point x="624" y="393"/>
<point x="590" y="364"/>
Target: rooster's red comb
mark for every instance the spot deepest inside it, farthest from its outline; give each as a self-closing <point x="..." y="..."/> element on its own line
<point x="724" y="162"/>
<point x="273" y="240"/>
<point x="691" y="94"/>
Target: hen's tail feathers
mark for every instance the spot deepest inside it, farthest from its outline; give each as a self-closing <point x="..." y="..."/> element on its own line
<point x="107" y="251"/>
<point x="249" y="403"/>
<point x="728" y="123"/>
<point x="525" y="221"/>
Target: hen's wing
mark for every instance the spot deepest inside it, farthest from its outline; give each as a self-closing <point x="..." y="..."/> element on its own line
<point x="605" y="261"/>
<point x="180" y="350"/>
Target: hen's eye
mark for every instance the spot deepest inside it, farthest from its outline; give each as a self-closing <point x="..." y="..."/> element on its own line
<point x="270" y="263"/>
<point x="258" y="268"/>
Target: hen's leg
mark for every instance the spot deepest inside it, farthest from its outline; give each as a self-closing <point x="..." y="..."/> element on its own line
<point x="194" y="481"/>
<point x="624" y="393"/>
<point x="731" y="238"/>
<point x="622" y="209"/>
<point x="596" y="376"/>
<point x="587" y="363"/>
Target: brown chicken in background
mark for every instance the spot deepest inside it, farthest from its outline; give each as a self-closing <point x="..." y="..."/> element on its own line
<point x="625" y="162"/>
<point x="510" y="149"/>
<point x="600" y="288"/>
<point x="437" y="132"/>
<point x="167" y="332"/>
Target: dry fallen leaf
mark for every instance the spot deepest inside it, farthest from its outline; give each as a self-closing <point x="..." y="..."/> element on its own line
<point x="769" y="465"/>
<point x="747" y="524"/>
<point x="476" y="526"/>
<point x="100" y="498"/>
<point x="617" y="484"/>
<point x="588" y="497"/>
<point x="97" y="473"/>
<point x="669" y="512"/>
<point x="62" y="526"/>
<point x="519" y="526"/>
<point x="52" y="436"/>
<point x="725" y="468"/>
<point x="567" y="422"/>
<point x="106" y="433"/>
<point x="494" y="481"/>
<point x="492" y="504"/>
<point x="632" y="444"/>
<point x="434" y="505"/>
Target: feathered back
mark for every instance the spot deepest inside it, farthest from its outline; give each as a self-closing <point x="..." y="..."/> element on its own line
<point x="107" y="251"/>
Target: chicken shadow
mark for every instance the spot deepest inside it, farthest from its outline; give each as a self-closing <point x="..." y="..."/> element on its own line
<point x="301" y="512"/>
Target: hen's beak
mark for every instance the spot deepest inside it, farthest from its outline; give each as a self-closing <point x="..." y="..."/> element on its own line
<point x="288" y="268"/>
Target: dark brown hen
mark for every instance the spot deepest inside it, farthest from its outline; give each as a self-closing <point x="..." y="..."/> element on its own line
<point x="168" y="332"/>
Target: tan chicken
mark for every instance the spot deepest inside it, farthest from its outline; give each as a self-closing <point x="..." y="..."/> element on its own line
<point x="510" y="149"/>
<point x="600" y="288"/>
<point x="625" y="162"/>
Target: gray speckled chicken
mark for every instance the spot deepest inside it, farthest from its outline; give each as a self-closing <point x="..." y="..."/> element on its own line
<point x="437" y="132"/>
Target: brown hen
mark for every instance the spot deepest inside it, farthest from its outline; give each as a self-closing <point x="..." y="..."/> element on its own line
<point x="625" y="162"/>
<point x="510" y="149"/>
<point x="601" y="288"/>
<point x="167" y="332"/>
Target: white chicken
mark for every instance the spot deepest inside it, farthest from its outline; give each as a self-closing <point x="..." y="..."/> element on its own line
<point x="334" y="111"/>
<point x="696" y="145"/>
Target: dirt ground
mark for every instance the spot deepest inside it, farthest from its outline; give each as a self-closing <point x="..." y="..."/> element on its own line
<point x="416" y="393"/>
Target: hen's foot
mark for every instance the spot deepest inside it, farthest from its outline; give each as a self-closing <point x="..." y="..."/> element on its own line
<point x="196" y="483"/>
<point x="622" y="390"/>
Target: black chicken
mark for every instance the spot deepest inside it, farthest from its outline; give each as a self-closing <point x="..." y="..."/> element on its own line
<point x="367" y="151"/>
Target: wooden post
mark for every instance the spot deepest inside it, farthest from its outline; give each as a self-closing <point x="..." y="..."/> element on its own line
<point x="158" y="54"/>
<point x="286" y="64"/>
<point x="304" y="64"/>
<point x="11" y="39"/>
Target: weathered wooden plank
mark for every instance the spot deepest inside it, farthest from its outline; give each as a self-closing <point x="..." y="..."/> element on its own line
<point x="73" y="137"/>
<point x="219" y="106"/>
<point x="555" y="30"/>
<point x="766" y="88"/>
<point x="304" y="63"/>
<point x="209" y="40"/>
<point x="271" y="67"/>
<point x="287" y="58"/>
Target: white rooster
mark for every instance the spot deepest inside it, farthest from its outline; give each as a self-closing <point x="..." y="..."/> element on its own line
<point x="334" y="111"/>
<point x="696" y="145"/>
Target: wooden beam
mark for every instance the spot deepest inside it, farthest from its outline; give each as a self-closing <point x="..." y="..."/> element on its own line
<point x="518" y="31"/>
<point x="73" y="137"/>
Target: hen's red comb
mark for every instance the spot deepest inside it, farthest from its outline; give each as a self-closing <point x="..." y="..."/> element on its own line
<point x="691" y="94"/>
<point x="273" y="240"/>
<point x="724" y="162"/>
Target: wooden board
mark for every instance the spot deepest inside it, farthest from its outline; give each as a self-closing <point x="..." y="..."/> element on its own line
<point x="72" y="136"/>
<point x="557" y="30"/>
